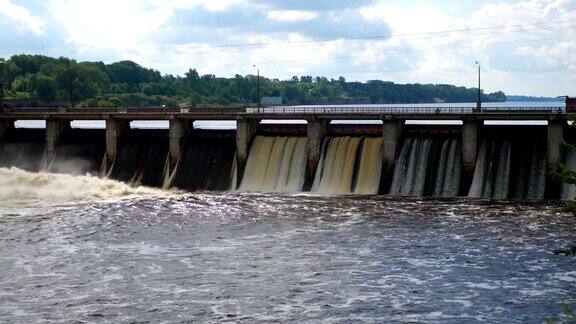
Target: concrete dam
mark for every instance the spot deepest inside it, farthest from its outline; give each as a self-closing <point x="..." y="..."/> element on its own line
<point x="470" y="158"/>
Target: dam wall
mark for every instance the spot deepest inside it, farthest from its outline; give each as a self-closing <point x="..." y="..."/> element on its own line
<point x="389" y="156"/>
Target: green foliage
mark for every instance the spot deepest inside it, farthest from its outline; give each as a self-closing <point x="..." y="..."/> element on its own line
<point x="128" y="84"/>
<point x="44" y="87"/>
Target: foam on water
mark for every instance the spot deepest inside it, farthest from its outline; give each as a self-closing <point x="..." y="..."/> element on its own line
<point x="16" y="184"/>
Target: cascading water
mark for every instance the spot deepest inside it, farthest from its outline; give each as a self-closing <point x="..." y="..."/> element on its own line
<point x="492" y="172"/>
<point x="510" y="169"/>
<point x="370" y="169"/>
<point x="427" y="167"/>
<point x="349" y="165"/>
<point x="336" y="169"/>
<point x="276" y="164"/>
<point x="569" y="190"/>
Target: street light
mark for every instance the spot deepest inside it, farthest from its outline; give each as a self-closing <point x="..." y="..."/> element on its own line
<point x="258" y="84"/>
<point x="479" y="102"/>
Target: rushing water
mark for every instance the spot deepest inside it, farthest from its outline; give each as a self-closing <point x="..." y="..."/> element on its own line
<point x="245" y="257"/>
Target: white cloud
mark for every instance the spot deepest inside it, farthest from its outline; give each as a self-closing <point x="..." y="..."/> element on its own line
<point x="291" y="15"/>
<point x="109" y="24"/>
<point x="137" y="30"/>
<point x="22" y="16"/>
<point x="210" y="5"/>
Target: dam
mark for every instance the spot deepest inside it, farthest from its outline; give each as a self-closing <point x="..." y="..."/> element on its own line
<point x="326" y="153"/>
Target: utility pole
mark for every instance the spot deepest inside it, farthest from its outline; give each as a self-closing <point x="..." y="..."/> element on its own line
<point x="258" y="84"/>
<point x="479" y="102"/>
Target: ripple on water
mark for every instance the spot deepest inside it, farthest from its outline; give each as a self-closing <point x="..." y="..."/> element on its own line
<point x="253" y="257"/>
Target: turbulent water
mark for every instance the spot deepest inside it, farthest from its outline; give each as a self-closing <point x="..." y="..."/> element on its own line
<point x="71" y="251"/>
<point x="16" y="184"/>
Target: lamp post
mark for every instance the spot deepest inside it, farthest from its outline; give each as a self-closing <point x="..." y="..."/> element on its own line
<point x="258" y="84"/>
<point x="479" y="102"/>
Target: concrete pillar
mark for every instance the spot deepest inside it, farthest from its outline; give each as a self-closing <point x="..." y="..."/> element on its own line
<point x="179" y="128"/>
<point x="469" y="144"/>
<point x="470" y="131"/>
<point x="245" y="131"/>
<point x="114" y="130"/>
<point x="555" y="139"/>
<point x="54" y="129"/>
<point x="317" y="130"/>
<point x="391" y="133"/>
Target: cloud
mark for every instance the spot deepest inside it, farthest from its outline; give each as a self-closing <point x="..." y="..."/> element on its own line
<point x="22" y="16"/>
<point x="291" y="15"/>
<point x="174" y="35"/>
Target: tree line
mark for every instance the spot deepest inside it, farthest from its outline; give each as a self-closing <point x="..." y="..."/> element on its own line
<point x="41" y="80"/>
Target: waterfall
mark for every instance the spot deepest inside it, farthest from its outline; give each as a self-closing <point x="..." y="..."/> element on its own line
<point x="492" y="172"/>
<point x="336" y="173"/>
<point x="569" y="190"/>
<point x="370" y="169"/>
<point x="447" y="182"/>
<point x="140" y="163"/>
<point x="276" y="164"/>
<point x="427" y="167"/>
<point x="536" y="186"/>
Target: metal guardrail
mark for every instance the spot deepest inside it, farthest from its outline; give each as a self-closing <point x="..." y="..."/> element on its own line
<point x="401" y="110"/>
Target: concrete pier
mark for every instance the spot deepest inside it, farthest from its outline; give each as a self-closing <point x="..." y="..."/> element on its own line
<point x="391" y="133"/>
<point x="245" y="131"/>
<point x="114" y="130"/>
<point x="54" y="129"/>
<point x="555" y="139"/>
<point x="470" y="136"/>
<point x="178" y="130"/>
<point x="317" y="130"/>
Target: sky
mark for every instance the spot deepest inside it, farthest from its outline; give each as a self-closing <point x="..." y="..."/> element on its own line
<point x="524" y="46"/>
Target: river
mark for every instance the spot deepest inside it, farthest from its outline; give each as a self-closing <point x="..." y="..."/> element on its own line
<point x="92" y="250"/>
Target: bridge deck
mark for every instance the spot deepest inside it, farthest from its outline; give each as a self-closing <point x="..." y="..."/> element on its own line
<point x="284" y="113"/>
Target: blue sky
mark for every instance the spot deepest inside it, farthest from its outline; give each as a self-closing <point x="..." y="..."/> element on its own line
<point x="525" y="46"/>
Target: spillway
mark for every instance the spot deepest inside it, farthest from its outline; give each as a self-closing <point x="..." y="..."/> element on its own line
<point x="140" y="158"/>
<point x="428" y="166"/>
<point x="276" y="164"/>
<point x="349" y="165"/>
<point x="206" y="164"/>
<point x="370" y="169"/>
<point x="510" y="169"/>
<point x="80" y="151"/>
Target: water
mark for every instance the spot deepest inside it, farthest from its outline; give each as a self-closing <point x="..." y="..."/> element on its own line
<point x="428" y="166"/>
<point x="169" y="257"/>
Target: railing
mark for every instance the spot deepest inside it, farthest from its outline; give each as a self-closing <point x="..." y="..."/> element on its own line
<point x="401" y="110"/>
<point x="121" y="110"/>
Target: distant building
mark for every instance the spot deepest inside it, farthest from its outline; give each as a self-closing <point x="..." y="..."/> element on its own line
<point x="571" y="105"/>
<point x="271" y="101"/>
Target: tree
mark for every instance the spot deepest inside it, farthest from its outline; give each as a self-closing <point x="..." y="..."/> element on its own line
<point x="45" y="88"/>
